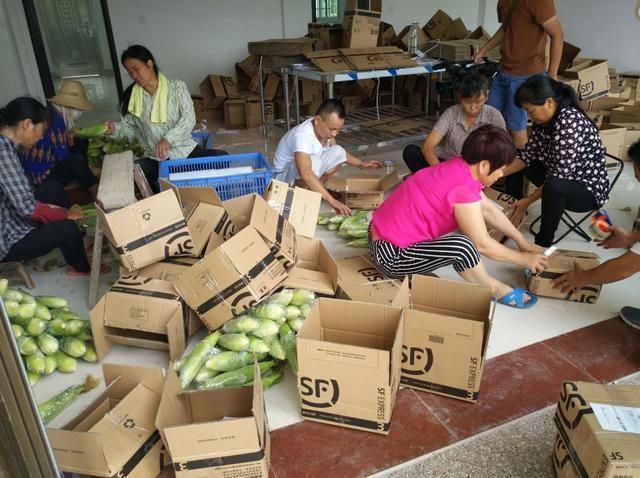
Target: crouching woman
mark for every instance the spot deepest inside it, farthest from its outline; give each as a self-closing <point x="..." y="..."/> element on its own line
<point x="412" y="232"/>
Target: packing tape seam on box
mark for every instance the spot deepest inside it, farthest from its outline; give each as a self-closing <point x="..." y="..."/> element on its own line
<point x="219" y="461"/>
<point x="152" y="237"/>
<point x="245" y="279"/>
<point x="139" y="455"/>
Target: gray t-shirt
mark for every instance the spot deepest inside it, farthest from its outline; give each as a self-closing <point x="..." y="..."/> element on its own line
<point x="451" y="126"/>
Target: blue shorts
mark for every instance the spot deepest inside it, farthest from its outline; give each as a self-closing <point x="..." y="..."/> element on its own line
<point x="502" y="95"/>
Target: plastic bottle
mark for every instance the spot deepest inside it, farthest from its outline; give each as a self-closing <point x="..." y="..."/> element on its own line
<point x="389" y="165"/>
<point x="413" y="38"/>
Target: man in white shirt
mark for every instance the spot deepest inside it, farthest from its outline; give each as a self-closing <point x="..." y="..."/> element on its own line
<point x="308" y="154"/>
<point x="615" y="269"/>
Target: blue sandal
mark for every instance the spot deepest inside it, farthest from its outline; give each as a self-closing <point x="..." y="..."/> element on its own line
<point x="517" y="296"/>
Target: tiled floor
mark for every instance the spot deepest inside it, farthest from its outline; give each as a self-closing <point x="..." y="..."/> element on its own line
<point x="530" y="353"/>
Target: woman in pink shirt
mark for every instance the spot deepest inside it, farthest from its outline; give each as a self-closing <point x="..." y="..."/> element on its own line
<point x="411" y="231"/>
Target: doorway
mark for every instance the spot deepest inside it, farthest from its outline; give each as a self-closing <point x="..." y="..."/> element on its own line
<point x="72" y="39"/>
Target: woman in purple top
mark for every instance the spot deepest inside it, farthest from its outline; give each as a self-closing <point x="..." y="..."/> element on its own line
<point x="411" y="230"/>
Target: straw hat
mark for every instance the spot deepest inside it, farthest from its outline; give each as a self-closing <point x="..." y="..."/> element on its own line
<point x="73" y="95"/>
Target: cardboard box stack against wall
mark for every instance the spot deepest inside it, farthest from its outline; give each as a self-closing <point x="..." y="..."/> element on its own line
<point x="361" y="23"/>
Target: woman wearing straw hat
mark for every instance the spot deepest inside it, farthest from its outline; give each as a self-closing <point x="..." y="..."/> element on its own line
<point x="59" y="158"/>
<point x="158" y="112"/>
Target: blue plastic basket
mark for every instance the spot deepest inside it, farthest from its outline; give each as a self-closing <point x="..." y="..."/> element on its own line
<point x="203" y="138"/>
<point x="227" y="187"/>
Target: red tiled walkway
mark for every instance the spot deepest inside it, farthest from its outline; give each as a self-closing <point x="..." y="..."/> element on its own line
<point x="513" y="385"/>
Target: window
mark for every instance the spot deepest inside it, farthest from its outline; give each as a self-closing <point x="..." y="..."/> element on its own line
<point x="327" y="11"/>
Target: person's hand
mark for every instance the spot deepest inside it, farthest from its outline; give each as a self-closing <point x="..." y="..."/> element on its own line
<point x="571" y="280"/>
<point x="162" y="149"/>
<point x="479" y="57"/>
<point x="530" y="247"/>
<point x="340" y="208"/>
<point x="111" y="127"/>
<point x="534" y="262"/>
<point x="618" y="238"/>
<point x="75" y="214"/>
<point x="520" y="210"/>
<point x="371" y="164"/>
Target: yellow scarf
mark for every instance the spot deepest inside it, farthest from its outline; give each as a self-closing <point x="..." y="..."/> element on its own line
<point x="160" y="101"/>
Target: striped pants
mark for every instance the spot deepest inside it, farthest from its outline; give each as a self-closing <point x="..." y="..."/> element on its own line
<point x="456" y="250"/>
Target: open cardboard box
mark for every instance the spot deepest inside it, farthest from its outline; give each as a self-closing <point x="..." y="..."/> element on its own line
<point x="275" y="229"/>
<point x="147" y="231"/>
<point x="142" y="312"/>
<point x="208" y="221"/>
<point x="359" y="279"/>
<point x="593" y="76"/>
<point x="232" y="278"/>
<point x="590" y="422"/>
<point x="116" y="434"/>
<point x="215" y="433"/>
<point x="561" y="262"/>
<point x="362" y="191"/>
<point x="166" y="270"/>
<point x="316" y="268"/>
<point x="446" y="333"/>
<point x="349" y="363"/>
<point x="215" y="89"/>
<point x="297" y="205"/>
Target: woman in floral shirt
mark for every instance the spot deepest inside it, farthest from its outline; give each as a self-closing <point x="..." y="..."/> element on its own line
<point x="564" y="156"/>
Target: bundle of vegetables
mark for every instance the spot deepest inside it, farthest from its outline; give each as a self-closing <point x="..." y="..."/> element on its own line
<point x="56" y="404"/>
<point x="100" y="144"/>
<point x="89" y="215"/>
<point x="353" y="228"/>
<point x="225" y="357"/>
<point x="49" y="336"/>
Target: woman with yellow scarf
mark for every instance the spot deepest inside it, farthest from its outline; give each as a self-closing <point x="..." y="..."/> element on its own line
<point x="158" y="113"/>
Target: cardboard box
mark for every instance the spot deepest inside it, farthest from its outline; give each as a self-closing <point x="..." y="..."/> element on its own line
<point x="297" y="205"/>
<point x="613" y="141"/>
<point x="272" y="87"/>
<point x="402" y="39"/>
<point x="506" y="203"/>
<point x="437" y="25"/>
<point x="625" y="114"/>
<point x="569" y="52"/>
<point x="362" y="191"/>
<point x="277" y="232"/>
<point x="355" y="7"/>
<point x="247" y="70"/>
<point x="147" y="231"/>
<point x="167" y="270"/>
<point x="446" y="332"/>
<point x="563" y="467"/>
<point x="115" y="435"/>
<point x="329" y="60"/>
<point x="281" y="47"/>
<point x="208" y="221"/>
<point x="590" y="420"/>
<point x="316" y="268"/>
<point x="231" y="279"/>
<point x="349" y="364"/>
<point x="360" y="280"/>
<point x="310" y="90"/>
<point x="561" y="262"/>
<point x="215" y="433"/>
<point x="593" y="76"/>
<point x="142" y="312"/>
<point x="386" y="34"/>
<point x="252" y="112"/>
<point x="235" y="114"/>
<point x="351" y="103"/>
<point x="329" y="33"/>
<point x="361" y="31"/>
<point x="456" y="30"/>
<point x="215" y="89"/>
<point x="631" y="136"/>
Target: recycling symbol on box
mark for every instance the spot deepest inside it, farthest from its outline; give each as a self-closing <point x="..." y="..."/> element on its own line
<point x="129" y="423"/>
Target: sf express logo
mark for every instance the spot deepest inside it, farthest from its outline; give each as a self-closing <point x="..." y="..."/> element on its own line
<point x="416" y="360"/>
<point x="319" y="392"/>
<point x="179" y="244"/>
<point x="572" y="407"/>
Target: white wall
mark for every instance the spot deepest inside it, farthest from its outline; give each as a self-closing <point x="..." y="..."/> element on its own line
<point x="603" y="30"/>
<point x="192" y="39"/>
<point x="18" y="75"/>
<point x="401" y="13"/>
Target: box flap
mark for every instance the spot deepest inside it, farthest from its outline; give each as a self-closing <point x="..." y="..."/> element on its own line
<point x="315" y="270"/>
<point x="127" y="426"/>
<point x="177" y="334"/>
<point x="128" y="376"/>
<point x="192" y="195"/>
<point x="78" y="452"/>
<point x="297" y="205"/>
<point x="96" y="317"/>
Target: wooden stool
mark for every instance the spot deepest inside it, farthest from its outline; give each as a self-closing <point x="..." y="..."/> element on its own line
<point x="115" y="191"/>
<point x="20" y="269"/>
